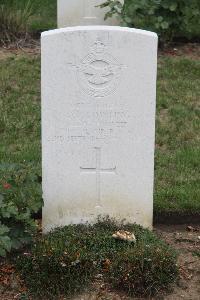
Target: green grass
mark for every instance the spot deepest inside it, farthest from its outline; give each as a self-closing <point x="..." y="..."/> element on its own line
<point x="20" y="110"/>
<point x="177" y="159"/>
<point x="45" y="17"/>
<point x="177" y="183"/>
<point x="51" y="265"/>
<point x="43" y="13"/>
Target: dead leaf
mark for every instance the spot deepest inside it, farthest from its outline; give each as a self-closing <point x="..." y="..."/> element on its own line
<point x="106" y="265"/>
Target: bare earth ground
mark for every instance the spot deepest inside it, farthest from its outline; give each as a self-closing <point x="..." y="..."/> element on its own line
<point x="31" y="49"/>
<point x="191" y="50"/>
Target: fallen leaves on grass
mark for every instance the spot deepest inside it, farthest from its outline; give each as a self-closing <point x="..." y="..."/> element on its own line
<point x="5" y="273"/>
<point x="10" y="279"/>
<point x="106" y="265"/>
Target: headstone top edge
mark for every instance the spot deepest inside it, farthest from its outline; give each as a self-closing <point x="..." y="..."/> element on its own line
<point x="99" y="28"/>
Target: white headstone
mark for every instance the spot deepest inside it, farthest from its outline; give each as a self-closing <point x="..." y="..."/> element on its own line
<point x="98" y="124"/>
<point x="83" y="12"/>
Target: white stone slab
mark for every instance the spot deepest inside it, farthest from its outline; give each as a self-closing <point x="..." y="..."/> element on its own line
<point x="98" y="124"/>
<point x="83" y="12"/>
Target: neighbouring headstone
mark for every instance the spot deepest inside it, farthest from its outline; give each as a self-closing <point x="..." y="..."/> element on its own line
<point x="83" y="12"/>
<point x="98" y="124"/>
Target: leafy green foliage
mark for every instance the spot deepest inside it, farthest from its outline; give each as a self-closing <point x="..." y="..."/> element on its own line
<point x="20" y="196"/>
<point x="5" y="241"/>
<point x="169" y="18"/>
<point x="51" y="266"/>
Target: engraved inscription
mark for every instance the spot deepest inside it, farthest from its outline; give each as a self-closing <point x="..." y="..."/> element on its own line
<point x="98" y="170"/>
<point x="98" y="73"/>
<point x="88" y="125"/>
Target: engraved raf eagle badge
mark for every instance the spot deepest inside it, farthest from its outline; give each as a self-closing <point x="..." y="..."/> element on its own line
<point x="99" y="72"/>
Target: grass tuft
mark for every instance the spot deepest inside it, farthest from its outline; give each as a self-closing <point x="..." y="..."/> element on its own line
<point x="21" y="19"/>
<point x="14" y="17"/>
<point x="67" y="260"/>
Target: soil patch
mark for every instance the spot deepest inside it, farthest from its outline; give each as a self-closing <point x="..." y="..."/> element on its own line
<point x="176" y="218"/>
<point x="190" y="50"/>
<point x="32" y="46"/>
<point x="28" y="49"/>
<point x="186" y="240"/>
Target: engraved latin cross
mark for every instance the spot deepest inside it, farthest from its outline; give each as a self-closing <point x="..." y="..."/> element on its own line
<point x="98" y="170"/>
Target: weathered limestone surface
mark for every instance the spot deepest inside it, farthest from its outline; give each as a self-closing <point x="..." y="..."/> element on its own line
<point x="83" y="12"/>
<point x="98" y="124"/>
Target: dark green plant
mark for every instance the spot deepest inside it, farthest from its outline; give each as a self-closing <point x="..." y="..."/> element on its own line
<point x="66" y="260"/>
<point x="20" y="196"/>
<point x="5" y="241"/>
<point x="169" y="18"/>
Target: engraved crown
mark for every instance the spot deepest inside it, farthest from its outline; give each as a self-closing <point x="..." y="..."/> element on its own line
<point x="98" y="47"/>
